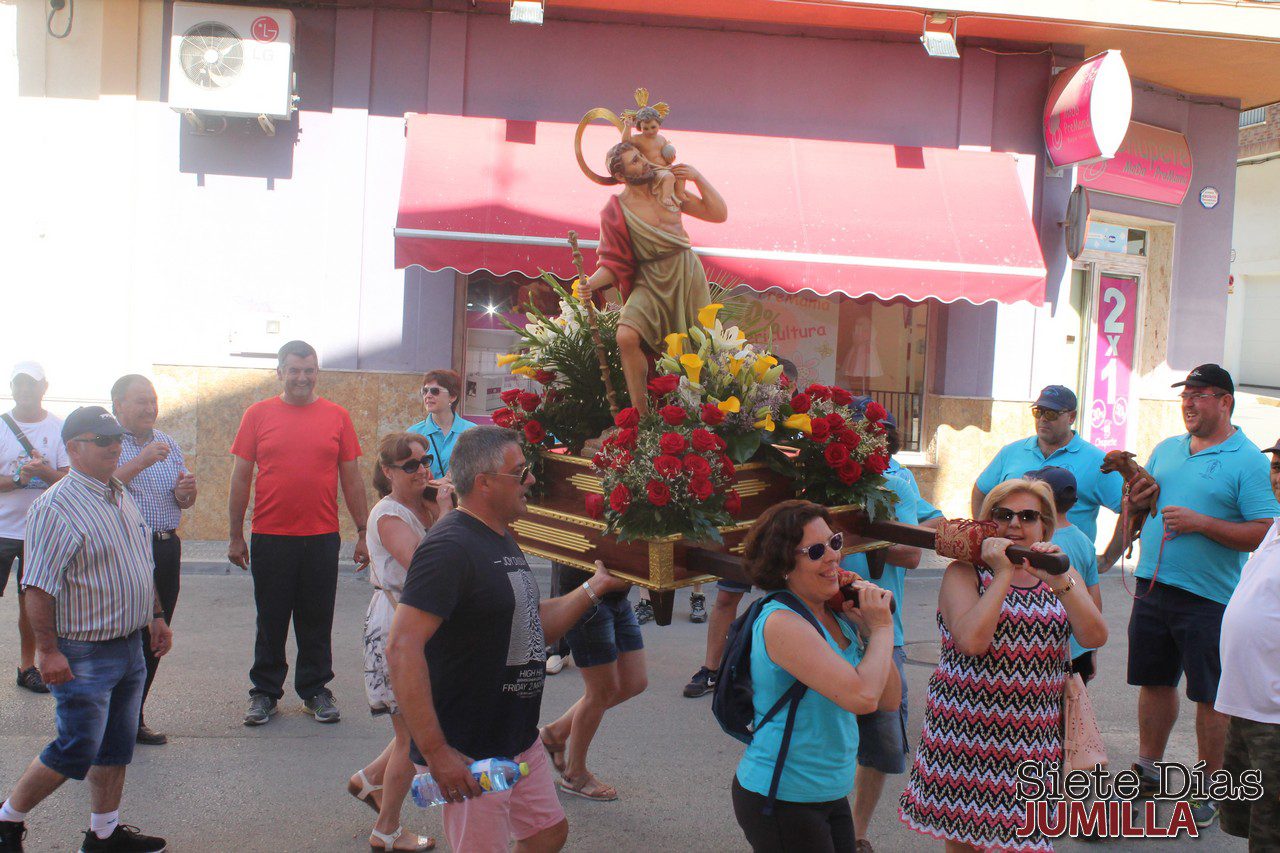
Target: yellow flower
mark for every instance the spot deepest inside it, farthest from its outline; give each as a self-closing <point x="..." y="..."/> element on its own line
<point x="675" y="344"/>
<point x="525" y="371"/>
<point x="735" y="365"/>
<point x="578" y="284"/>
<point x="692" y="367"/>
<point x="731" y="406"/>
<point x="742" y="336"/>
<point x="763" y="364"/>
<point x="801" y="422"/>
<point x="707" y="316"/>
<point x="504" y="360"/>
<point x="766" y="423"/>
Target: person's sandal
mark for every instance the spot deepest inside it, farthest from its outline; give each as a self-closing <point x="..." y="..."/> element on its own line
<point x="364" y="791"/>
<point x="388" y="842"/>
<point x="555" y="751"/>
<point x="600" y="792"/>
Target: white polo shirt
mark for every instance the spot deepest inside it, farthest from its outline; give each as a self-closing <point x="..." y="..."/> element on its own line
<point x="1250" y="640"/>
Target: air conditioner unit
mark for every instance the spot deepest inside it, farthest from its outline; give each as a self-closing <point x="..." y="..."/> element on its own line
<point x="231" y="60"/>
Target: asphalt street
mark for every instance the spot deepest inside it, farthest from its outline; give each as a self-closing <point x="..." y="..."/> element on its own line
<point x="218" y="786"/>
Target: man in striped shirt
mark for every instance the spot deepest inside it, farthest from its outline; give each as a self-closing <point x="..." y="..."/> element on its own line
<point x="90" y="591"/>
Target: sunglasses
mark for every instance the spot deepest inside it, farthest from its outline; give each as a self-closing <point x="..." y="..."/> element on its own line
<point x="817" y="550"/>
<point x="413" y="465"/>
<point x="100" y="440"/>
<point x="1194" y="397"/>
<point x="522" y="477"/>
<point x="1041" y="413"/>
<point x="432" y="391"/>
<point x="1004" y="515"/>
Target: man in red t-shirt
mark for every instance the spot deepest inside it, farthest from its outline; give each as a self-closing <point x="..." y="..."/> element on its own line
<point x="303" y="446"/>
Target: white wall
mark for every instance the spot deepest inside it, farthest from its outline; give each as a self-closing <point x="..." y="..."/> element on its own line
<point x="1256" y="243"/>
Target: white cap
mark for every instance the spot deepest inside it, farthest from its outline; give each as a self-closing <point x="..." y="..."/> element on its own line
<point x="27" y="368"/>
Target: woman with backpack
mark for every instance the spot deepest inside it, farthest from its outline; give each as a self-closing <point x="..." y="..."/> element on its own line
<point x="799" y="800"/>
<point x="994" y="701"/>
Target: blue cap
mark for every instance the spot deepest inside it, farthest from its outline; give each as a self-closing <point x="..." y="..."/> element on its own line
<point x="1061" y="481"/>
<point x="91" y="419"/>
<point x="1060" y="398"/>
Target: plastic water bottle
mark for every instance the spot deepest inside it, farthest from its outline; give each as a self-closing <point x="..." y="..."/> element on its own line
<point x="492" y="774"/>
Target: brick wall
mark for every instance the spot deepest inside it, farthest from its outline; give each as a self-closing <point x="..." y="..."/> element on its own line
<point x="1264" y="138"/>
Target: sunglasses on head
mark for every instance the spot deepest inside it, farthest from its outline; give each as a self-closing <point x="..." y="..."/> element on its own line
<point x="817" y="550"/>
<point x="413" y="465"/>
<point x="100" y="440"/>
<point x="1004" y="515"/>
<point x="1041" y="413"/>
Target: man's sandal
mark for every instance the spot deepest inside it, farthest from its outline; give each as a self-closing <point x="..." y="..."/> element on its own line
<point x="555" y="751"/>
<point x="599" y="792"/>
<point x="388" y="842"/>
<point x="364" y="791"/>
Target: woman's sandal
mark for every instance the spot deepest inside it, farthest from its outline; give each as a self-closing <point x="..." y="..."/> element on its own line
<point x="388" y="842"/>
<point x="364" y="791"/>
<point x="555" y="751"/>
<point x="601" y="792"/>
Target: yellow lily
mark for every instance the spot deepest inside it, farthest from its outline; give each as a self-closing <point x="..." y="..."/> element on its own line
<point x="525" y="371"/>
<point x="692" y="367"/>
<point x="675" y="344"/>
<point x="766" y="423"/>
<point x="504" y="360"/>
<point x="730" y="406"/>
<point x="801" y="422"/>
<point x="735" y="366"/>
<point x="707" y="316"/>
<point x="762" y="365"/>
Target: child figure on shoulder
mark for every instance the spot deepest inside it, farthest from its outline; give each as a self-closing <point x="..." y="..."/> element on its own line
<point x="654" y="147"/>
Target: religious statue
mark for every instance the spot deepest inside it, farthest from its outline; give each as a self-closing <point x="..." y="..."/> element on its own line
<point x="654" y="147"/>
<point x="646" y="254"/>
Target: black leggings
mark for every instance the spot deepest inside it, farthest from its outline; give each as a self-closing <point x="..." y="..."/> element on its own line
<point x="801" y="827"/>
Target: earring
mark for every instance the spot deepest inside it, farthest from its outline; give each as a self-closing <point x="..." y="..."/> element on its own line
<point x="787" y="576"/>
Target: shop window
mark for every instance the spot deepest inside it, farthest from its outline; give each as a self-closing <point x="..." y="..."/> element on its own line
<point x="490" y="300"/>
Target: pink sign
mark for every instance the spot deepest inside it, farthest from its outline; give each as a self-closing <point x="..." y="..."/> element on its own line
<point x="1152" y="164"/>
<point x="1087" y="111"/>
<point x="1110" y="407"/>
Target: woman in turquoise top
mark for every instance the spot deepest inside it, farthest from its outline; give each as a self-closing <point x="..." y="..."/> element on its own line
<point x="791" y="547"/>
<point x="442" y="426"/>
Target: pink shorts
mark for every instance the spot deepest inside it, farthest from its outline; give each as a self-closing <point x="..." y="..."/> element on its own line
<point x="492" y="821"/>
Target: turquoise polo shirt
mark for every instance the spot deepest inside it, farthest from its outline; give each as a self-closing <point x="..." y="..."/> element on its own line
<point x="924" y="510"/>
<point x="1229" y="481"/>
<point x="439" y="442"/>
<point x="894" y="577"/>
<point x="1093" y="488"/>
<point x="1084" y="559"/>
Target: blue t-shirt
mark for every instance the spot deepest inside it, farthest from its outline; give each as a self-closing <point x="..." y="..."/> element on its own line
<point x="1093" y="488"/>
<point x="1229" y="481"/>
<point x="1084" y="559"/>
<point x="822" y="757"/>
<point x="440" y="443"/>
<point x="924" y="510"/>
<point x="894" y="577"/>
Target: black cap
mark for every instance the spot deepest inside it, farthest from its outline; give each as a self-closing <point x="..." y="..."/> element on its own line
<point x="1209" y="376"/>
<point x="1061" y="481"/>
<point x="1059" y="398"/>
<point x="91" y="419"/>
<point x="1275" y="449"/>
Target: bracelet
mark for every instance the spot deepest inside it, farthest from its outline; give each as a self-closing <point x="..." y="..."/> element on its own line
<point x="157" y="615"/>
<point x="591" y="593"/>
<point x="1071" y="584"/>
<point x="360" y="528"/>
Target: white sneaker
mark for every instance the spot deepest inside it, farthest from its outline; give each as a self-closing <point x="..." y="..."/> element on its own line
<point x="555" y="663"/>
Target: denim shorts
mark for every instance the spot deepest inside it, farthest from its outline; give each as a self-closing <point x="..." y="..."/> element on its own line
<point x="882" y="735"/>
<point x="604" y="632"/>
<point x="97" y="710"/>
<point x="11" y="554"/>
<point x="733" y="586"/>
<point x="1172" y="631"/>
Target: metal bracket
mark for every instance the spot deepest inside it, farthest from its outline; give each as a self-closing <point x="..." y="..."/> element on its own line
<point x="267" y="125"/>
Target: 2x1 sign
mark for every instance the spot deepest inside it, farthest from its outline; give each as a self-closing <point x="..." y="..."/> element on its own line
<point x="1152" y="164"/>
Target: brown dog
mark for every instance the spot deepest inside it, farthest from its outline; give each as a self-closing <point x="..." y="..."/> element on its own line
<point x="1133" y="474"/>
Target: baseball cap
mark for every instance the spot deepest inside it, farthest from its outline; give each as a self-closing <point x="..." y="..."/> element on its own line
<point x="1060" y="398"/>
<point x="1209" y="375"/>
<point x="93" y="419"/>
<point x="27" y="368"/>
<point x="1061" y="481"/>
<point x="1274" y="449"/>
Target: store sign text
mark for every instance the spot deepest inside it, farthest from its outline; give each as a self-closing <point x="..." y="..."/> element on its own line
<point x="1110" y="410"/>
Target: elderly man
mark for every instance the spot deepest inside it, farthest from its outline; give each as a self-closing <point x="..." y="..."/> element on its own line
<point x="1214" y="505"/>
<point x="467" y="652"/>
<point x="32" y="458"/>
<point x="1056" y="443"/>
<point x="303" y="446"/>
<point x="151" y="467"/>
<point x="89" y="583"/>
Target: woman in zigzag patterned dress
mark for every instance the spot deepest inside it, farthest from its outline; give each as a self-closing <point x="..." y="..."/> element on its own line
<point x="995" y="699"/>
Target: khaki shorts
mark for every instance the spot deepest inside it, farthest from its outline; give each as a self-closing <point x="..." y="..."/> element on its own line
<point x="1254" y="746"/>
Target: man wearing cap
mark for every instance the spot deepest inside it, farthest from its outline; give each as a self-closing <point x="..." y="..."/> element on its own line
<point x="32" y="458"/>
<point x="90" y="594"/>
<point x="1275" y="468"/>
<point x="1056" y="443"/>
<point x="1214" y="505"/>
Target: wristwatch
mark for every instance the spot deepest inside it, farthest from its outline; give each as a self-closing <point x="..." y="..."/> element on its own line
<point x="17" y="477"/>
<point x="591" y="593"/>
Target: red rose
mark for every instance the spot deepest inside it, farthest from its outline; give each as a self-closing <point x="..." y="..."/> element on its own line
<point x="658" y="493"/>
<point x="529" y="401"/>
<point x="628" y="418"/>
<point x="510" y="396"/>
<point x="800" y="403"/>
<point x="784" y="380"/>
<point x="503" y="418"/>
<point x="721" y="444"/>
<point x="874" y="412"/>
<point x="619" y="498"/>
<point x="660" y="386"/>
<point x="703" y="441"/>
<point x="701" y="488"/>
<point x="835" y="422"/>
<point x="621" y="461"/>
<point x="818" y="392"/>
<point x="850" y="473"/>
<point x="732" y="503"/>
<point x="840" y="397"/>
<point x="668" y="467"/>
<point x="546" y="377"/>
<point x="600" y="460"/>
<point x="849" y="438"/>
<point x="672" y="443"/>
<point x="673" y="415"/>
<point x="697" y="465"/>
<point x="712" y="415"/>
<point x="727" y="469"/>
<point x="625" y="437"/>
<point x="819" y="429"/>
<point x="836" y="454"/>
<point x="595" y="506"/>
<point x="878" y="462"/>
<point x="534" y="432"/>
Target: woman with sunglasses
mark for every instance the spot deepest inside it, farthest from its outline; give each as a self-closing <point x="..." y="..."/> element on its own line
<point x="397" y="524"/>
<point x="995" y="699"/>
<point x="792" y="547"/>
<point x="441" y="390"/>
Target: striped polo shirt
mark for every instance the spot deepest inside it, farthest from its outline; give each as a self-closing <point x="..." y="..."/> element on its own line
<point x="88" y="546"/>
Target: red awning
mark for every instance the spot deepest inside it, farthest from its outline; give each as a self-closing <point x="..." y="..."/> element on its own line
<point x="804" y="214"/>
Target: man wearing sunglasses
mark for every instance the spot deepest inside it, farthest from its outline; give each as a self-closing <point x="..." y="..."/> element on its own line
<point x="1214" y="505"/>
<point x="1056" y="443"/>
<point x="91" y="594"/>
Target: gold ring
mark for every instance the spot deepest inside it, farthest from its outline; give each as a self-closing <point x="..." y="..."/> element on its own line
<point x="609" y="116"/>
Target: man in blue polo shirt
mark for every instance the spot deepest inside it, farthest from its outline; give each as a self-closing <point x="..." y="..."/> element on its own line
<point x="1214" y="506"/>
<point x="1056" y="443"/>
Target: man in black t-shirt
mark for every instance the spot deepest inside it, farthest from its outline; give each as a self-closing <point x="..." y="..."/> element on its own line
<point x="467" y="651"/>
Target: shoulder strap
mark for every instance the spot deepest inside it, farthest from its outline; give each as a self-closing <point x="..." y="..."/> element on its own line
<point x="18" y="433"/>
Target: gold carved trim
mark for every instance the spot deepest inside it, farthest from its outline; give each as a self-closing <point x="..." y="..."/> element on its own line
<point x="581" y="461"/>
<point x="662" y="562"/>
<point x="566" y="517"/>
<point x="552" y="535"/>
<point x="588" y="483"/>
<point x="750" y="488"/>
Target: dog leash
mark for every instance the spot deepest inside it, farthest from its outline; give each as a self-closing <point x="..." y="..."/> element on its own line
<point x="1166" y="535"/>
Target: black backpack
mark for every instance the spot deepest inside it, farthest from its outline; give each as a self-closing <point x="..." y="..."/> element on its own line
<point x="732" y="700"/>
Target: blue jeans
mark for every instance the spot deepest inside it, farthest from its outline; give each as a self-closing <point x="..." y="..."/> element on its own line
<point x="98" y="708"/>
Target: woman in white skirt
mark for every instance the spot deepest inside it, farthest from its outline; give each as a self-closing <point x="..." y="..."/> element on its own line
<point x="396" y="525"/>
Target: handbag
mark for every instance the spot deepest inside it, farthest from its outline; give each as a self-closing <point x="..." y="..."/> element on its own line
<point x="1082" y="747"/>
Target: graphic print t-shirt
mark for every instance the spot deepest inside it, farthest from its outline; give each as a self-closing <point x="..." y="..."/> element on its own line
<point x="46" y="439"/>
<point x="488" y="658"/>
